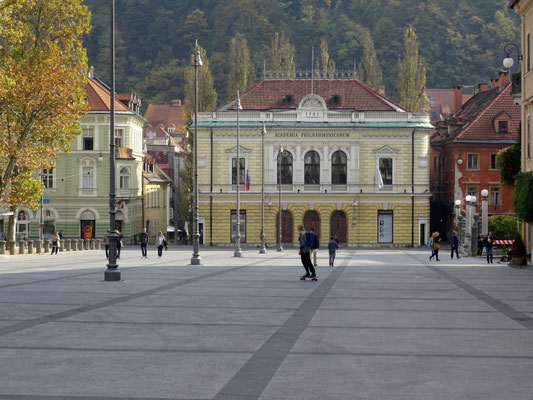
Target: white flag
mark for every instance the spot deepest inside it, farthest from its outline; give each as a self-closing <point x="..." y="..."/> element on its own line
<point x="379" y="179"/>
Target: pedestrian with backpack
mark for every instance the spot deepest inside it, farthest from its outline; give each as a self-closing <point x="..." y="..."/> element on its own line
<point x="305" y="253"/>
<point x="315" y="244"/>
<point x="332" y="249"/>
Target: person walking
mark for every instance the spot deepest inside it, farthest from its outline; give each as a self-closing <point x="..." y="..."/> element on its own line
<point x="119" y="242"/>
<point x="314" y="246"/>
<point x="106" y="244"/>
<point x="454" y="242"/>
<point x="332" y="249"/>
<point x="489" y="245"/>
<point x="305" y="254"/>
<point x="480" y="244"/>
<point x="144" y="242"/>
<point x="61" y="234"/>
<point x="160" y="242"/>
<point x="435" y="245"/>
<point x="55" y="242"/>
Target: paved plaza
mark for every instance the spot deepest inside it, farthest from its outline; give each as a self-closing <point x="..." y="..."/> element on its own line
<point x="382" y="324"/>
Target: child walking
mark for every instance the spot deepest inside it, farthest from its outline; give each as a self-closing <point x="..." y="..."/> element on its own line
<point x="332" y="248"/>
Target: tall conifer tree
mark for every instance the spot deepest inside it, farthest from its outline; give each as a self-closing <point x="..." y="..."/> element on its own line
<point x="281" y="55"/>
<point x="412" y="75"/>
<point x="241" y="70"/>
<point x="373" y="76"/>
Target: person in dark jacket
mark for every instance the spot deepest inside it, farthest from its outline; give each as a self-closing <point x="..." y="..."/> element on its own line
<point x="332" y="249"/>
<point x="305" y="254"/>
<point x="480" y="244"/>
<point x="489" y="244"/>
<point x="143" y="236"/>
<point x="314" y="246"/>
<point x="435" y="245"/>
<point x="454" y="242"/>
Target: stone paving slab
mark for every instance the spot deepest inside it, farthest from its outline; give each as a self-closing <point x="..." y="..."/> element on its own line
<point x="383" y="324"/>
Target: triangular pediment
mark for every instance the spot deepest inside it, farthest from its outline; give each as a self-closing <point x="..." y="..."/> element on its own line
<point x="242" y="150"/>
<point x="386" y="149"/>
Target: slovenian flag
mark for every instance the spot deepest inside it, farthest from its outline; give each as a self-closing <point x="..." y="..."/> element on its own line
<point x="247" y="182"/>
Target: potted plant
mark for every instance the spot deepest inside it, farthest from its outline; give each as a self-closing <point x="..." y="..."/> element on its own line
<point x="518" y="253"/>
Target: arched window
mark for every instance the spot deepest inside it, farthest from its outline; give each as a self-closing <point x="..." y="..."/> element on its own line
<point x="338" y="168"/>
<point x="312" y="168"/>
<point x="124" y="178"/>
<point x="285" y="167"/>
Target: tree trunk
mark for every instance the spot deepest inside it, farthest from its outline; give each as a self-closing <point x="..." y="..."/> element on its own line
<point x="11" y="227"/>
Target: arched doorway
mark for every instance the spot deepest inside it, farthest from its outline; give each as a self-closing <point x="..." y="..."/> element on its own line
<point x="87" y="225"/>
<point x="338" y="225"/>
<point x="312" y="220"/>
<point x="286" y="227"/>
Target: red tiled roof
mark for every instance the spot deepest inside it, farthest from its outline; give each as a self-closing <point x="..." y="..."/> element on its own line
<point x="168" y="115"/>
<point x="475" y="119"/>
<point x="98" y="97"/>
<point x="269" y="94"/>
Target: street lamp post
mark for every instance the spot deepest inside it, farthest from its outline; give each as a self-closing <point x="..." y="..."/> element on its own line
<point x="262" y="249"/>
<point x="457" y="212"/>
<point x="238" y="251"/>
<point x="112" y="273"/>
<point x="280" y="247"/>
<point x="484" y="212"/>
<point x="41" y="224"/>
<point x="196" y="259"/>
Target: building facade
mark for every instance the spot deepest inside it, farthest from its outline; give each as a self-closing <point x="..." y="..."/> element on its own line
<point x="76" y="190"/>
<point x="157" y="192"/>
<point x="524" y="8"/>
<point x="347" y="161"/>
<point x="464" y="150"/>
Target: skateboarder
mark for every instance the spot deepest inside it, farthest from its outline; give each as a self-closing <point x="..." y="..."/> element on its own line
<point x="305" y="254"/>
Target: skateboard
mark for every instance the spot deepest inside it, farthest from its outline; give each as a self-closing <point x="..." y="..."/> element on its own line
<point x="314" y="278"/>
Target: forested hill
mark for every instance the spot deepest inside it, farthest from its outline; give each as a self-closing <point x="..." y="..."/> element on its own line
<point x="461" y="41"/>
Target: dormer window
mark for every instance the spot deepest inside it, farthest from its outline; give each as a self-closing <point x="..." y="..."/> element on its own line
<point x="170" y="129"/>
<point x="335" y="100"/>
<point x="288" y="100"/>
<point x="503" y="126"/>
<point x="502" y="123"/>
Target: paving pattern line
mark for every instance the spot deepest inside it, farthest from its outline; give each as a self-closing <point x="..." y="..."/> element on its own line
<point x="254" y="376"/>
<point x="44" y="397"/>
<point x="79" y="310"/>
<point x="519" y="317"/>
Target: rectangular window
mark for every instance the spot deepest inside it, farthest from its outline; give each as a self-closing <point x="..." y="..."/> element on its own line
<point x="432" y="101"/>
<point x="242" y="165"/>
<point x="385" y="227"/>
<point x="88" y="143"/>
<point x="88" y="177"/>
<point x="528" y="139"/>
<point x="119" y="135"/>
<point x="385" y="168"/>
<point x="434" y="115"/>
<point x="234" y="226"/>
<point x="493" y="161"/>
<point x="472" y="161"/>
<point x="528" y="52"/>
<point x="503" y="127"/>
<point x="48" y="178"/>
<point x="495" y="196"/>
<point x="472" y="191"/>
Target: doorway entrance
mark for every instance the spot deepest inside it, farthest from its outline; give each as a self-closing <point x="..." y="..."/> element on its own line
<point x="312" y="220"/>
<point x="286" y="227"/>
<point x="338" y="225"/>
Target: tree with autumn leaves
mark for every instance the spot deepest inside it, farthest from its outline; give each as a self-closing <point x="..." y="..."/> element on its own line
<point x="42" y="95"/>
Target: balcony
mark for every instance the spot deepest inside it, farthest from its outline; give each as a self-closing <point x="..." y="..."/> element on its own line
<point x="123" y="153"/>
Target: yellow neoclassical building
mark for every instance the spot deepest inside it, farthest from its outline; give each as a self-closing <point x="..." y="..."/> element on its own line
<point x="348" y="162"/>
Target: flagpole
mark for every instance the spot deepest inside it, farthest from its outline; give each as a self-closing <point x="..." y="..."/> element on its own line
<point x="238" y="252"/>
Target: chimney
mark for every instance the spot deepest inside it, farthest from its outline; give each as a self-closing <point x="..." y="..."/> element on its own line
<point x="176" y="103"/>
<point x="503" y="78"/>
<point x="381" y="91"/>
<point x="494" y="83"/>
<point x="482" y="87"/>
<point x="457" y="98"/>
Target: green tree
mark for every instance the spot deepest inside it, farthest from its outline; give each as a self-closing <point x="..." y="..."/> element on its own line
<point x="281" y="57"/>
<point x="324" y="65"/>
<point x="373" y="76"/>
<point x="241" y="70"/>
<point x="508" y="162"/>
<point x="412" y="75"/>
<point x="503" y="226"/>
<point x="522" y="204"/>
<point x="42" y="94"/>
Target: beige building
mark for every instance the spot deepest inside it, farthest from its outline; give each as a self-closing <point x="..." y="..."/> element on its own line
<point x="156" y="198"/>
<point x="350" y="162"/>
<point x="524" y="8"/>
